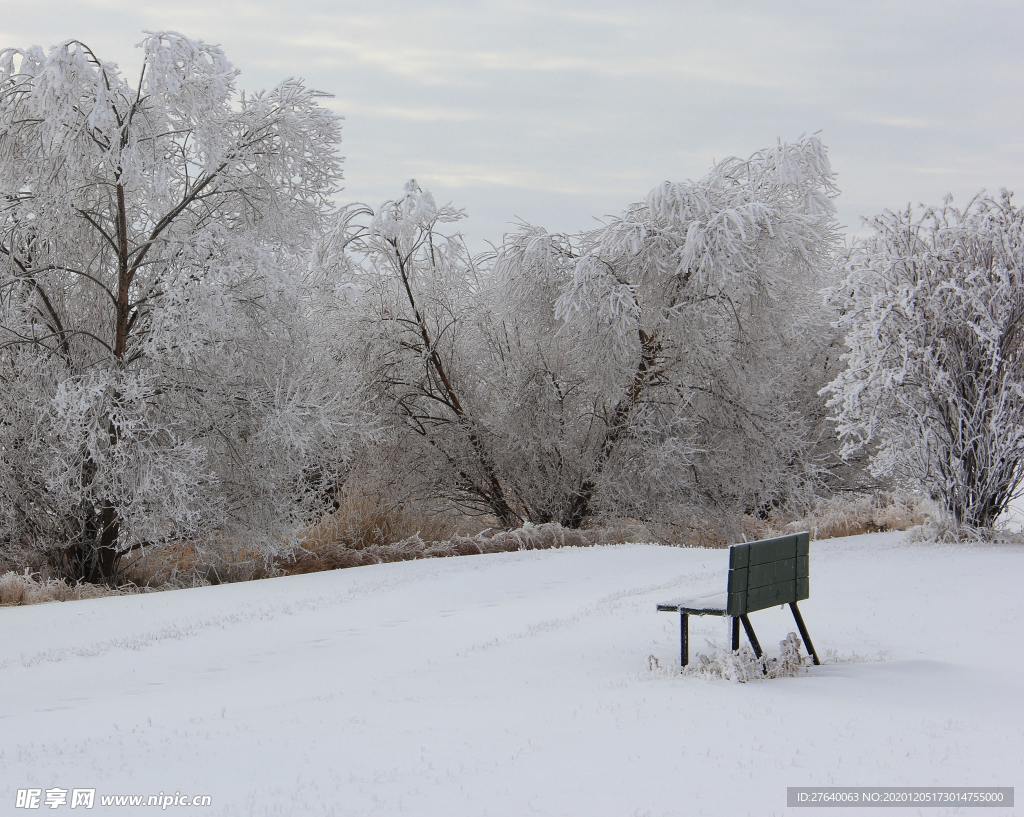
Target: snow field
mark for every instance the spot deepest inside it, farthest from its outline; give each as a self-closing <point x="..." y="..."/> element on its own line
<point x="518" y="684"/>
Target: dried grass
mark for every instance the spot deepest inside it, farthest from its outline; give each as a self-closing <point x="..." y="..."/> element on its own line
<point x="30" y="588"/>
<point x="366" y="529"/>
<point x="854" y="514"/>
<point x="191" y="564"/>
<point x="324" y="554"/>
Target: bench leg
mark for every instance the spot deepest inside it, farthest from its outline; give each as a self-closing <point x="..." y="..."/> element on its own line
<point x="753" y="641"/>
<point x="684" y="638"/>
<point x="750" y="635"/>
<point x="803" y="633"/>
<point x="735" y="624"/>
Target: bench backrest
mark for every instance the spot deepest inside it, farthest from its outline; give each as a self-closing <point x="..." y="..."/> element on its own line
<point x="768" y="573"/>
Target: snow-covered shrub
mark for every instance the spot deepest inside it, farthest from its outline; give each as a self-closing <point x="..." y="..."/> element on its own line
<point x="932" y="305"/>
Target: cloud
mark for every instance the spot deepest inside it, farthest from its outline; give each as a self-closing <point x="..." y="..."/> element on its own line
<point x="407" y="113"/>
<point x="465" y="175"/>
<point x="935" y="171"/>
<point x="439" y="65"/>
<point x="904" y="122"/>
<point x="562" y="110"/>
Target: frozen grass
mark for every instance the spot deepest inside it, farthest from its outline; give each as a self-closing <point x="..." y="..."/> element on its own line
<point x="368" y="517"/>
<point x="29" y="588"/>
<point x="854" y="514"/>
<point x="329" y="553"/>
<point x="743" y="666"/>
<point x="197" y="564"/>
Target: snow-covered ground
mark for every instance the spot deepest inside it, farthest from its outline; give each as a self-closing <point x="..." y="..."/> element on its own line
<point x="519" y="684"/>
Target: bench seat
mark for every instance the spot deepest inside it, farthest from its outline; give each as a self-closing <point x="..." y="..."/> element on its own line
<point x="709" y="604"/>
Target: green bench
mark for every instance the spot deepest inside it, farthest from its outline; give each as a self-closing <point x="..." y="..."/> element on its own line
<point x="762" y="574"/>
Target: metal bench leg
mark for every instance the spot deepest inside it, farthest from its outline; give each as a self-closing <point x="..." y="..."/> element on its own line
<point x="803" y="632"/>
<point x="684" y="637"/>
<point x="753" y="641"/>
<point x="735" y="624"/>
<point x="750" y="635"/>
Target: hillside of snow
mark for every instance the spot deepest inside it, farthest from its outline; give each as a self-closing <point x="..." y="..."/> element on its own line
<point x="519" y="684"/>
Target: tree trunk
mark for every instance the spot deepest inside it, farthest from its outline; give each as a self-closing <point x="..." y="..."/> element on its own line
<point x="95" y="556"/>
<point x="491" y="492"/>
<point x="581" y="505"/>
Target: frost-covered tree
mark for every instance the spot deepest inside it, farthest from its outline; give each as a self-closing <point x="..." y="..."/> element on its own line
<point x="652" y="368"/>
<point x="933" y="310"/>
<point x="159" y="371"/>
<point x="411" y="313"/>
<point x="672" y="358"/>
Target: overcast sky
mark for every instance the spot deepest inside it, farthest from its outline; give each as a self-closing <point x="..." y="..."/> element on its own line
<point x="558" y="112"/>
